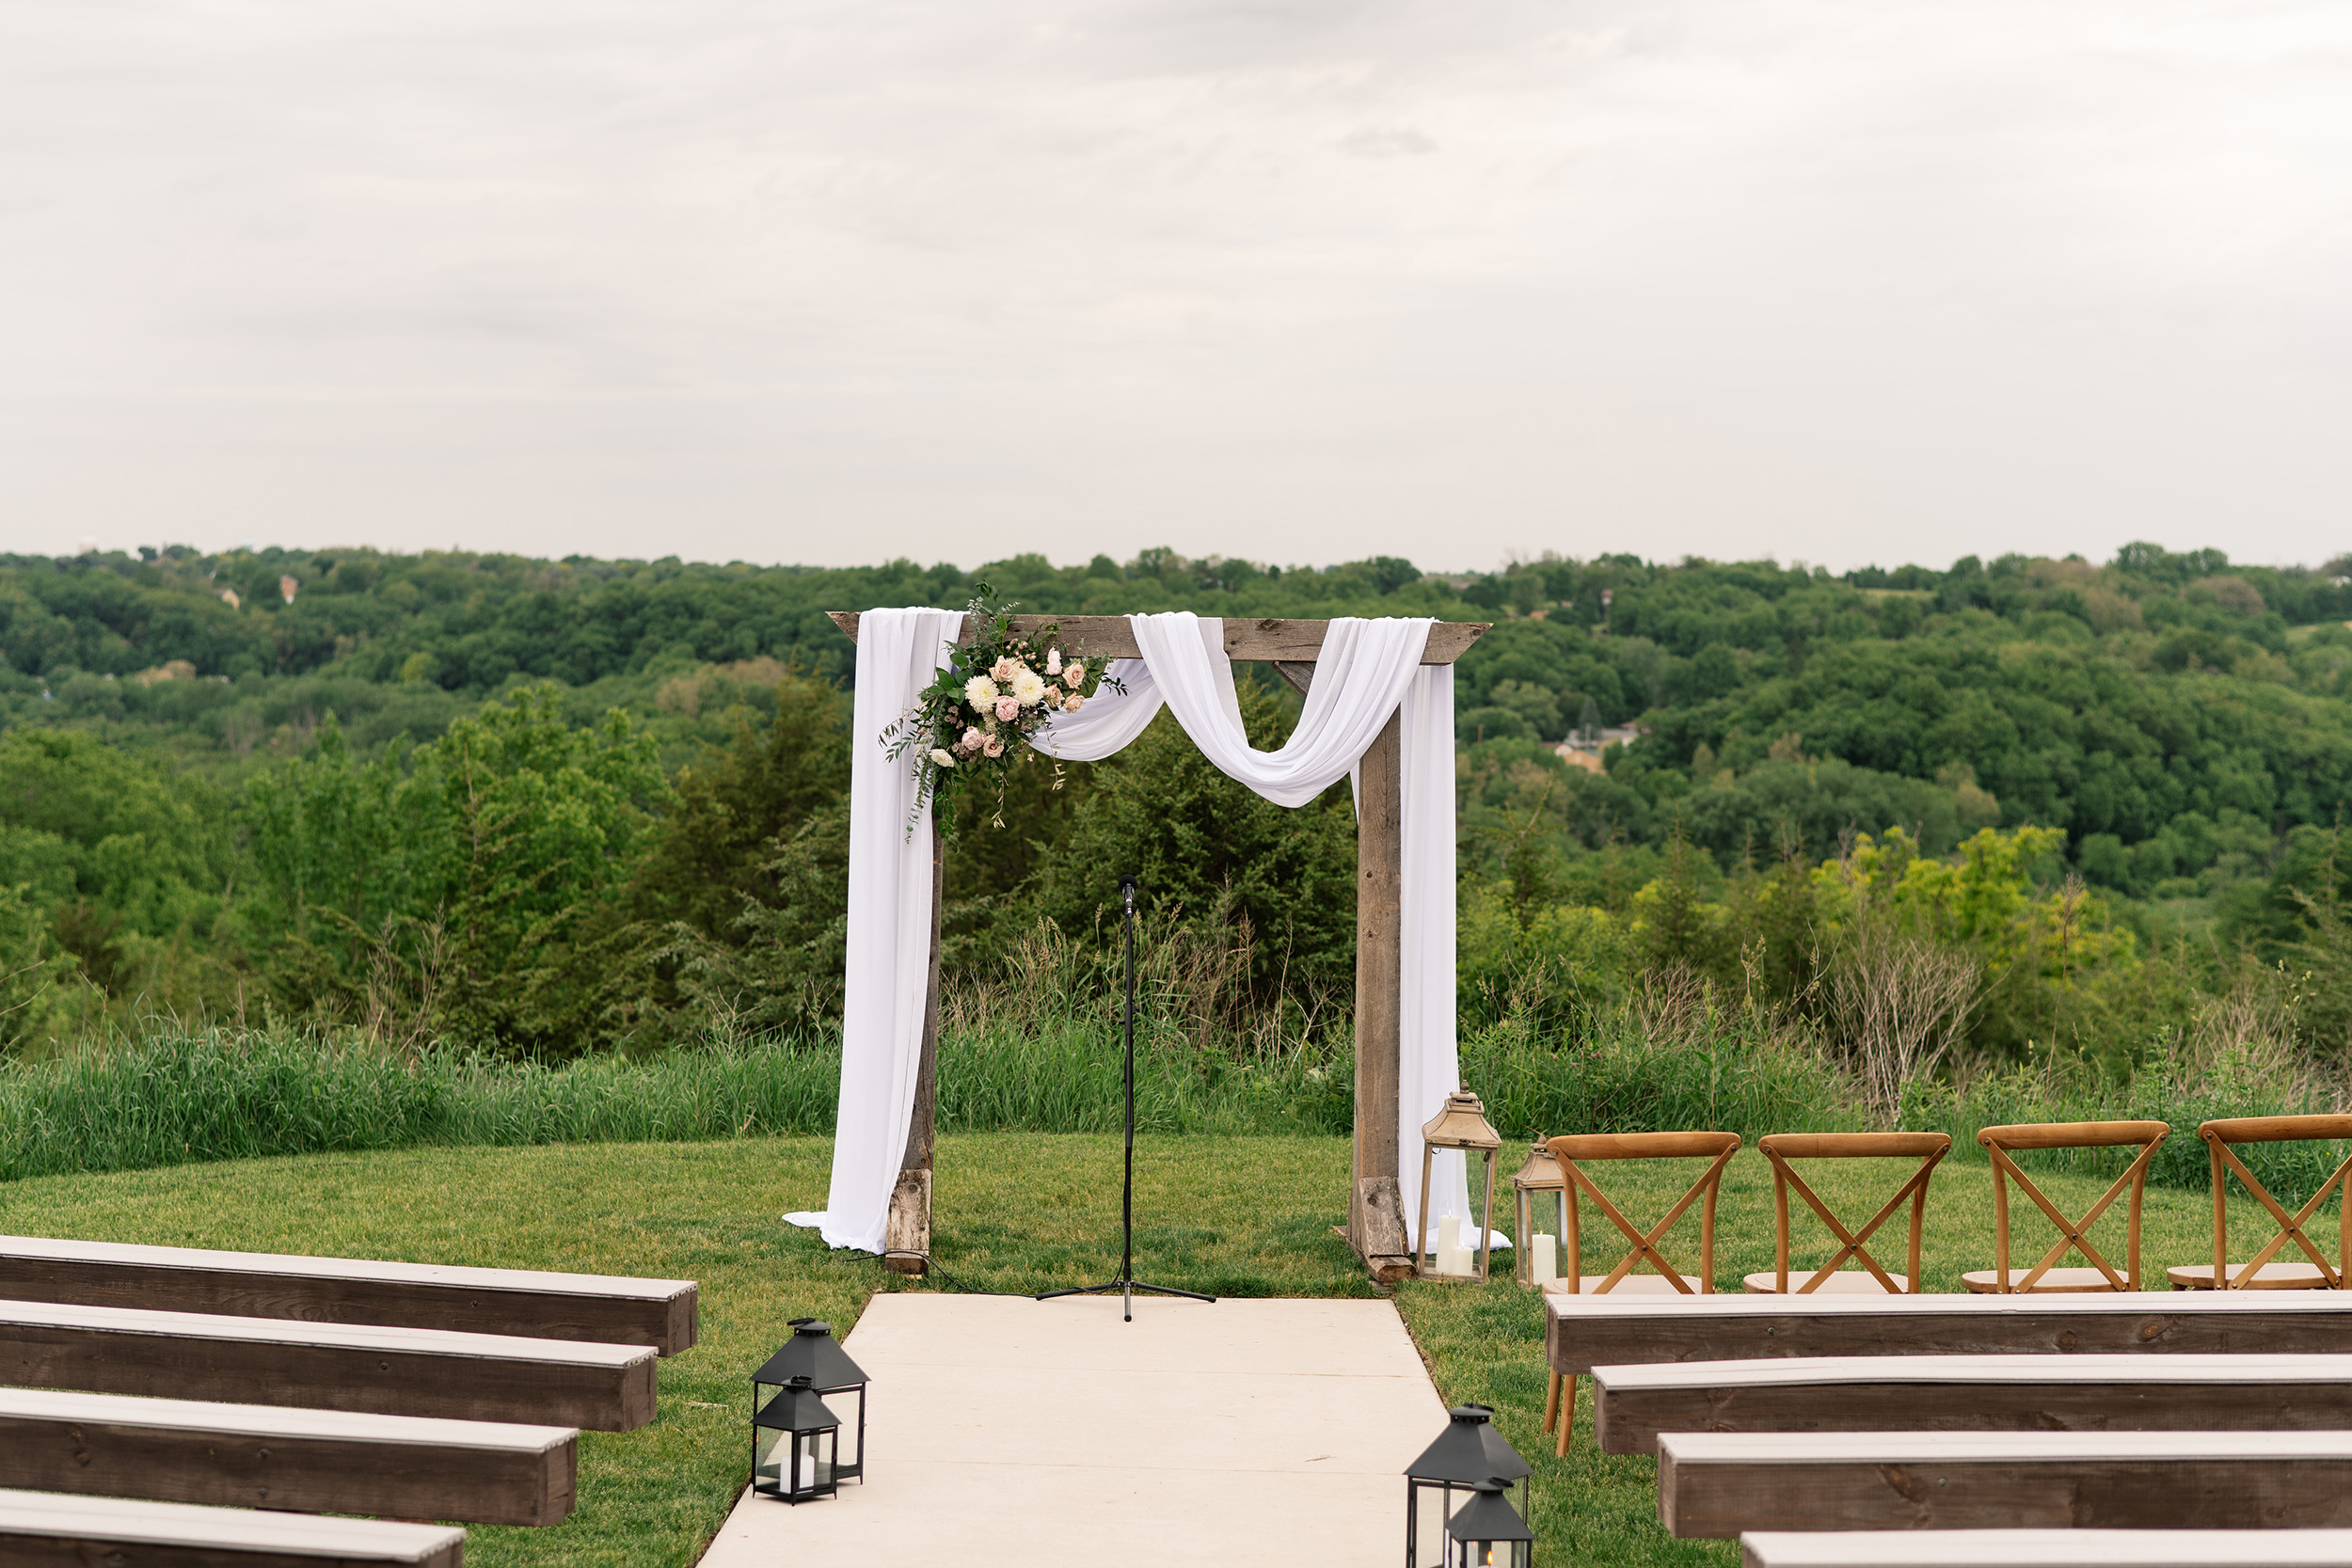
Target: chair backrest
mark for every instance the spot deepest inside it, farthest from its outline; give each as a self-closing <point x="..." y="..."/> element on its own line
<point x="2073" y="1235"/>
<point x="2219" y="1136"/>
<point x="1781" y="1148"/>
<point x="1574" y="1151"/>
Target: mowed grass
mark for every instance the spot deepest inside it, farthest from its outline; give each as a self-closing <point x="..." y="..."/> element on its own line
<point x="1230" y="1215"/>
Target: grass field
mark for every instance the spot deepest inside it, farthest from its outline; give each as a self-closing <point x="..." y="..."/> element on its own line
<point x="1234" y="1216"/>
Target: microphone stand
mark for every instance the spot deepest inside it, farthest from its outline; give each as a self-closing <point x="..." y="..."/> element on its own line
<point x="1127" y="1284"/>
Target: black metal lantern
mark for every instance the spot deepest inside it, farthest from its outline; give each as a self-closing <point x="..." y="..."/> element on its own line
<point x="796" y="1445"/>
<point x="813" y="1354"/>
<point x="1488" y="1532"/>
<point x="1470" y="1454"/>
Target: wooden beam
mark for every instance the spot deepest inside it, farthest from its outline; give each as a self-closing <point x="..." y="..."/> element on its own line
<point x="390" y="1371"/>
<point x="908" y="1228"/>
<point x="1634" y="1404"/>
<point x="1581" y="1332"/>
<point x="2047" y="1549"/>
<point x="1269" y="641"/>
<point x="1379" y="966"/>
<point x="302" y="1461"/>
<point x="1722" y="1484"/>
<point x="44" y="1530"/>
<point x="605" y="1309"/>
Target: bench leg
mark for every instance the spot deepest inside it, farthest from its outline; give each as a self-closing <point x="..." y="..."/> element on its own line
<point x="1567" y="1413"/>
<point x="1551" y="1403"/>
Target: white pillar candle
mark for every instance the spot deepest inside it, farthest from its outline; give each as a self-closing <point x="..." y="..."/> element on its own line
<point x="1544" y="1258"/>
<point x="1449" y="1235"/>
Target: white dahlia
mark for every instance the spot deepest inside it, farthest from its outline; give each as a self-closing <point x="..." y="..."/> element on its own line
<point x="979" y="691"/>
<point x="1028" y="686"/>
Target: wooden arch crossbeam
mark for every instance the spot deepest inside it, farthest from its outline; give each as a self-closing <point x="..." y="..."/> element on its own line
<point x="1375" y="1219"/>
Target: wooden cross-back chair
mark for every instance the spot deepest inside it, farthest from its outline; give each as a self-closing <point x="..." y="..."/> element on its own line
<point x="2002" y="1143"/>
<point x="1833" y="1278"/>
<point x="1572" y="1153"/>
<point x="2261" y="1274"/>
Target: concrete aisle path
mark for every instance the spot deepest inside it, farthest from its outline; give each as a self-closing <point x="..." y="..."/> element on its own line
<point x="1002" y="1430"/>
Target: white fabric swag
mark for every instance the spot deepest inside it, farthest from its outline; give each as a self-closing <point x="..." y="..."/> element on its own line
<point x="1365" y="671"/>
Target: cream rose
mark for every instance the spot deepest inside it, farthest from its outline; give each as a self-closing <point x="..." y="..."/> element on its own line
<point x="972" y="739"/>
<point x="1073" y="675"/>
<point x="942" y="758"/>
<point x="1007" y="709"/>
<point x="1003" y="670"/>
<point x="1072" y="703"/>
<point x="1053" y="661"/>
<point x="995" y="748"/>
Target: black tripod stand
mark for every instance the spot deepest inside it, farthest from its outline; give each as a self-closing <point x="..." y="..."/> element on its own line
<point x="1127" y="1284"/>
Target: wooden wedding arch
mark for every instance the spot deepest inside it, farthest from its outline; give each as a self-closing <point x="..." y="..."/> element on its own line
<point x="1375" y="1210"/>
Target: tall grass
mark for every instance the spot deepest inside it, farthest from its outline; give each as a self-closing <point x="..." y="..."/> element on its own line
<point x="1728" y="1072"/>
<point x="1032" y="1051"/>
<point x="172" y="1096"/>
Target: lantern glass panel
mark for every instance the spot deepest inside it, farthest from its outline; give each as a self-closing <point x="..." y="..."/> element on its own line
<point x="1494" y="1554"/>
<point x="815" y="1452"/>
<point x="767" y="1461"/>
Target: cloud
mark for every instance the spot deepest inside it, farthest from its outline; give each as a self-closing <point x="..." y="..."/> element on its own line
<point x="824" y="283"/>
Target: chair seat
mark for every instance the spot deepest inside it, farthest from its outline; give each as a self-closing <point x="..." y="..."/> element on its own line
<point x="2273" y="1276"/>
<point x="1845" y="1282"/>
<point x="1631" y="1285"/>
<point x="2055" y="1280"/>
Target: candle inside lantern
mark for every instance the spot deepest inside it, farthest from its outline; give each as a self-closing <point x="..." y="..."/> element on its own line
<point x="1544" y="1258"/>
<point x="1449" y="1238"/>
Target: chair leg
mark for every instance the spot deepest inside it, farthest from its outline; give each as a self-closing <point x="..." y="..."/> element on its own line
<point x="1568" y="1414"/>
<point x="1552" y="1403"/>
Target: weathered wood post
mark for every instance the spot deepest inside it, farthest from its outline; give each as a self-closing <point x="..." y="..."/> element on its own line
<point x="1375" y="1219"/>
<point x="909" y="1227"/>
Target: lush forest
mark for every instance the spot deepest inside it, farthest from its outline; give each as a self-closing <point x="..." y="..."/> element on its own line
<point x="543" y="807"/>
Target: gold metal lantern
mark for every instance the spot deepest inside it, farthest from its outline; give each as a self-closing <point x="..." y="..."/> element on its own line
<point x="1541" y="1188"/>
<point x="1460" y="1123"/>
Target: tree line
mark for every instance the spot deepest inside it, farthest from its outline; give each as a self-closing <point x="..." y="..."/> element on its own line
<point x="546" y="806"/>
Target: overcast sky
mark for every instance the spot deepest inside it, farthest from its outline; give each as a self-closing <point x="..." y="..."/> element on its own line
<point x="827" y="282"/>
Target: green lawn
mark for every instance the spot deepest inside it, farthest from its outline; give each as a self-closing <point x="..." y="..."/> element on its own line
<point x="1235" y="1216"/>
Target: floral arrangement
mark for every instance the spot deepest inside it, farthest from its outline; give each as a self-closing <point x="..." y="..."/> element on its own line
<point x="977" y="718"/>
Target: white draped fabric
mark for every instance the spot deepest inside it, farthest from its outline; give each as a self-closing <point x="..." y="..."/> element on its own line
<point x="887" y="977"/>
<point x="1365" y="671"/>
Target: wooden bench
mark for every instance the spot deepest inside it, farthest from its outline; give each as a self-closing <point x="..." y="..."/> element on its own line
<point x="1584" y="1332"/>
<point x="306" y="1460"/>
<point x="1719" y="1483"/>
<point x="391" y="1371"/>
<point x="606" y="1310"/>
<point x="52" y="1531"/>
<point x="2047" y="1549"/>
<point x="1973" y="1393"/>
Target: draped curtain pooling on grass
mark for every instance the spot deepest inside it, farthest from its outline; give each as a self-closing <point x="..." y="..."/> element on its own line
<point x="1365" y="671"/>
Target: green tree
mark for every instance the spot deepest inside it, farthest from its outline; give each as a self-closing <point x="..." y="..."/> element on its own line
<point x="1208" y="850"/>
<point x="715" y="846"/>
<point x="468" y="889"/>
